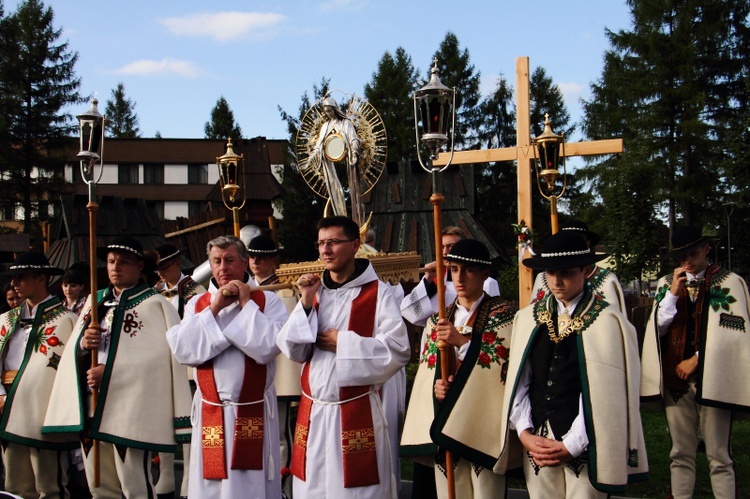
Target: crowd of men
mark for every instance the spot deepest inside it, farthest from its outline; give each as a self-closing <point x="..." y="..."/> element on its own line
<point x="275" y="393"/>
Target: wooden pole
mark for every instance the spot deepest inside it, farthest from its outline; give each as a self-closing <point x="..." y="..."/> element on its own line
<point x="524" y="185"/>
<point x="92" y="208"/>
<point x="236" y="222"/>
<point x="446" y="350"/>
<point x="553" y="214"/>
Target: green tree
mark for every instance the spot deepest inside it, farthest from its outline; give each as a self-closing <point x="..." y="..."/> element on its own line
<point x="122" y="122"/>
<point x="300" y="207"/>
<point x="390" y="92"/>
<point x="672" y="87"/>
<point x="222" y="124"/>
<point x="38" y="82"/>
<point x="456" y="71"/>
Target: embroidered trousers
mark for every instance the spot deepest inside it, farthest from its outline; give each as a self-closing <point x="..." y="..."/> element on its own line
<point x="471" y="482"/>
<point x="716" y="429"/>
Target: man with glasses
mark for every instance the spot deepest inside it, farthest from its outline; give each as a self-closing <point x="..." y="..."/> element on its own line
<point x="700" y="317"/>
<point x="348" y="332"/>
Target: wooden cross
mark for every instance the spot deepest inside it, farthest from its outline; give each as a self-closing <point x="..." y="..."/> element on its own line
<point x="524" y="154"/>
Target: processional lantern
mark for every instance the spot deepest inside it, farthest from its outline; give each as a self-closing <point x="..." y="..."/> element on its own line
<point x="232" y="181"/>
<point x="434" y="120"/>
<point x="91" y="137"/>
<point x="549" y="156"/>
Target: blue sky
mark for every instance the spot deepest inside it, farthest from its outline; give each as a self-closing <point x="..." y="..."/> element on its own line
<point x="176" y="58"/>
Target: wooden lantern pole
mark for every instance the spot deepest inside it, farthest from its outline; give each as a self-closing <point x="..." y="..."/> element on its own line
<point x="445" y="348"/>
<point x="92" y="207"/>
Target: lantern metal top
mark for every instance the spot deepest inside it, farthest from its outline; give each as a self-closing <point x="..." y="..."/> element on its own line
<point x="548" y="150"/>
<point x="93" y="113"/>
<point x="434" y="86"/>
<point x="226" y="162"/>
<point x="435" y="108"/>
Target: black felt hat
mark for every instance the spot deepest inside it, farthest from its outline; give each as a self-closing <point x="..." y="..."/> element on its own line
<point x="262" y="246"/>
<point x="583" y="229"/>
<point x="687" y="238"/>
<point x="166" y="253"/>
<point x="32" y="261"/>
<point x="469" y="252"/>
<point x="123" y="244"/>
<point x="564" y="250"/>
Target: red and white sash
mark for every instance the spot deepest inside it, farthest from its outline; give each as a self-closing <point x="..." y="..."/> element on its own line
<point x="357" y="429"/>
<point x="247" y="453"/>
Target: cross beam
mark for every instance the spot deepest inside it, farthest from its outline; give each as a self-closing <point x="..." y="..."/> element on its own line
<point x="524" y="153"/>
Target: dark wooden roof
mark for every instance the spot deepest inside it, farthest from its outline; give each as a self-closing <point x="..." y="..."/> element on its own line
<point x="403" y="215"/>
<point x="115" y="217"/>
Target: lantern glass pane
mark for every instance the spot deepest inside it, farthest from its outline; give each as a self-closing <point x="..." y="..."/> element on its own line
<point x="436" y="118"/>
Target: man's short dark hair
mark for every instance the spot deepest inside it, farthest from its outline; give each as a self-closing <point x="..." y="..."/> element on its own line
<point x="351" y="229"/>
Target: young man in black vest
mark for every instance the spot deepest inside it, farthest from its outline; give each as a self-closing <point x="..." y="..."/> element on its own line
<point x="575" y="374"/>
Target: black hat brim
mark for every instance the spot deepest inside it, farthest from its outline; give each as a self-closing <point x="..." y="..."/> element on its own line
<point x="674" y="253"/>
<point x="563" y="262"/>
<point x="49" y="271"/>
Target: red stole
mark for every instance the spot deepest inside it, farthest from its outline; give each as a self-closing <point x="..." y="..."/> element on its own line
<point x="247" y="453"/>
<point x="357" y="429"/>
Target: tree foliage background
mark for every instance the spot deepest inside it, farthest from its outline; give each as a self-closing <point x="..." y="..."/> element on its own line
<point x="222" y="124"/>
<point x="37" y="81"/>
<point x="122" y="121"/>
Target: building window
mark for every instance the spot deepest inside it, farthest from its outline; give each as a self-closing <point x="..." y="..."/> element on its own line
<point x="153" y="173"/>
<point x="127" y="173"/>
<point x="158" y="207"/>
<point x="197" y="174"/>
<point x="7" y="212"/>
<point x="196" y="207"/>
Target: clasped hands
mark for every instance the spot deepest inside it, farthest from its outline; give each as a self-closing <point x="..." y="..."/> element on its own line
<point x="544" y="451"/>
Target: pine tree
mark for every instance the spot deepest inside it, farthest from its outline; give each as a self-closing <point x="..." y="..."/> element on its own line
<point x="456" y="71"/>
<point x="222" y="124"/>
<point x="300" y="207"/>
<point x="38" y="81"/>
<point x="390" y="92"/>
<point x="122" y="122"/>
<point x="672" y="88"/>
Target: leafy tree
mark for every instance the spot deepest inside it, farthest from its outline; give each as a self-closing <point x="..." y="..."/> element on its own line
<point x="456" y="71"/>
<point x="300" y="206"/>
<point x="38" y="81"/>
<point x="672" y="88"/>
<point x="222" y="124"/>
<point x="390" y="92"/>
<point x="122" y="122"/>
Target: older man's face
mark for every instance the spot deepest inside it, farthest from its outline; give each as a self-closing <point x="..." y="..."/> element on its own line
<point x="227" y="264"/>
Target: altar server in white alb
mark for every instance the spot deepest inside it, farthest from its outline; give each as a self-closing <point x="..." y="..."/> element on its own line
<point x="178" y="289"/>
<point x="421" y="303"/>
<point x="229" y="335"/>
<point x="144" y="396"/>
<point x="348" y="331"/>
<point x="32" y="339"/>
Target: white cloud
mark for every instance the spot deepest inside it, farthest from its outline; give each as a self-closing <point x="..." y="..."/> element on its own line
<point x="166" y="66"/>
<point x="571" y="91"/>
<point x="225" y="26"/>
<point x="331" y="5"/>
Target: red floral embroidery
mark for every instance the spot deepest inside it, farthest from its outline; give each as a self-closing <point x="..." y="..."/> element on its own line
<point x="3" y="331"/>
<point x="539" y="295"/>
<point x="489" y="337"/>
<point x="501" y="351"/>
<point x="53" y="341"/>
<point x="433" y="335"/>
<point x="50" y="330"/>
<point x="43" y="349"/>
<point x="432" y="360"/>
<point x="484" y="359"/>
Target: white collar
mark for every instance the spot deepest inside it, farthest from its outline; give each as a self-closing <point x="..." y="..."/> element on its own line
<point x="562" y="309"/>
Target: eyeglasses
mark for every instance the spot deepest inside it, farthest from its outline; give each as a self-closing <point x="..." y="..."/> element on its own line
<point x="331" y="242"/>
